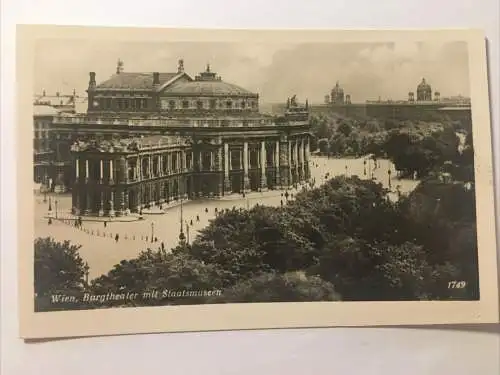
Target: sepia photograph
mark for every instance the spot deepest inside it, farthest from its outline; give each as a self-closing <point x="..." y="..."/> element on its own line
<point x="269" y="181"/>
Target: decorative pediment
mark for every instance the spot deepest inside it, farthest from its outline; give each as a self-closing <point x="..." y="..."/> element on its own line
<point x="106" y="146"/>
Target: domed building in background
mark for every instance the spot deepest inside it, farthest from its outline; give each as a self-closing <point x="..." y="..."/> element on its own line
<point x="151" y="139"/>
<point x="337" y="94"/>
<point x="424" y="91"/>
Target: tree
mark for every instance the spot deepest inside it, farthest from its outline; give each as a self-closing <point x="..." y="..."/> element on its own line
<point x="363" y="271"/>
<point x="345" y="128"/>
<point x="323" y="145"/>
<point x="153" y="273"/>
<point x="275" y="287"/>
<point x="58" y="270"/>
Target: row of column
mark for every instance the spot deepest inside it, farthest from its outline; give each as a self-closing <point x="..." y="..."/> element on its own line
<point x="282" y="159"/>
<point x="86" y="174"/>
<point x="180" y="158"/>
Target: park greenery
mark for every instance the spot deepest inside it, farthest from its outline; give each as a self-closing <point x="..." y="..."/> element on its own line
<point x="346" y="240"/>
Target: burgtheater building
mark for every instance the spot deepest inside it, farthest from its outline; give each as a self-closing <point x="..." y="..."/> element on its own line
<point x="149" y="139"/>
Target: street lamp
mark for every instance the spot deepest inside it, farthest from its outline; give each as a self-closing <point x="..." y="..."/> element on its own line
<point x="346" y="170"/>
<point x="389" y="177"/>
<point x="152" y="231"/>
<point x="86" y="272"/>
<point x="286" y="195"/>
<point x="55" y="203"/>
<point x="182" y="237"/>
<point x="364" y="167"/>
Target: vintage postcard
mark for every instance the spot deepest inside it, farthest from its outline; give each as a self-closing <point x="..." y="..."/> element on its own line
<point x="185" y="180"/>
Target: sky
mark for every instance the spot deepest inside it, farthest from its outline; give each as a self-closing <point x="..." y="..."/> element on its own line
<point x="274" y="71"/>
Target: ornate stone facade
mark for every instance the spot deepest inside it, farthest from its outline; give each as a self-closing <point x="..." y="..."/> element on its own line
<point x="152" y="138"/>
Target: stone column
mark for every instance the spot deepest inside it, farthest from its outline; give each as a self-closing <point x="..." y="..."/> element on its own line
<point x="151" y="200"/>
<point x="263" y="162"/>
<point x="277" y="164"/>
<point x="160" y="165"/>
<point x="284" y="164"/>
<point x="112" y="203"/>
<point x="101" y="203"/>
<point x="101" y="171"/>
<point x="220" y="172"/>
<point x="111" y="172"/>
<point x="86" y="170"/>
<point x="150" y="158"/>
<point x="246" y="180"/>
<point x="227" y="161"/>
<point x="77" y="169"/>
<point x="126" y="202"/>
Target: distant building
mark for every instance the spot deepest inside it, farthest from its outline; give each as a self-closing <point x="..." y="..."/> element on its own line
<point x="42" y="152"/>
<point x="64" y="103"/>
<point x="413" y="108"/>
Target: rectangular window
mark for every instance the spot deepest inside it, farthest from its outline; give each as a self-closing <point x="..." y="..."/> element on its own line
<point x="144" y="103"/>
<point x="185" y="104"/>
<point x="213" y="103"/>
<point x="108" y="103"/>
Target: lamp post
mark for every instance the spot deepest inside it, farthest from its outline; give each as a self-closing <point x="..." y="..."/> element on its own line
<point x="182" y="237"/>
<point x="389" y="177"/>
<point x="187" y="233"/>
<point x="346" y="170"/>
<point x="55" y="203"/>
<point x="86" y="272"/>
<point x="364" y="167"/>
<point x="152" y="231"/>
<point x="286" y="195"/>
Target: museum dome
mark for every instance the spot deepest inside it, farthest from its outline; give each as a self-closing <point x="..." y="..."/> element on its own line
<point x="424" y="86"/>
<point x="208" y="84"/>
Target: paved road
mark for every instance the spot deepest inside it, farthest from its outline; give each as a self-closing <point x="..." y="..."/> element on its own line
<point x="102" y="252"/>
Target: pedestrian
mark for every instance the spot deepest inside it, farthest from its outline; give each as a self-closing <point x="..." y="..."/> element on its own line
<point x="197" y="218"/>
<point x="162" y="246"/>
<point x="105" y="223"/>
<point x="156" y="239"/>
<point x="191" y="222"/>
<point x="206" y="210"/>
<point x="215" y="209"/>
<point x="281" y="201"/>
<point x="117" y="237"/>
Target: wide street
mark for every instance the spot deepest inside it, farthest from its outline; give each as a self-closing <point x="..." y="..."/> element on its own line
<point x="101" y="251"/>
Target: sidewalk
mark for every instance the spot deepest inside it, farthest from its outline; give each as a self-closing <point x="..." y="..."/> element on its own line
<point x="63" y="216"/>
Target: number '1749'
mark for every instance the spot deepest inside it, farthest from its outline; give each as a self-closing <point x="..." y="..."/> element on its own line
<point x="457" y="284"/>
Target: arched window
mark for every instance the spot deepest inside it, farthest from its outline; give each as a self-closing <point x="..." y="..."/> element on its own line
<point x="171" y="105"/>
<point x="213" y="103"/>
<point x="243" y="104"/>
<point x="185" y="104"/>
<point x="229" y="104"/>
<point x="199" y="104"/>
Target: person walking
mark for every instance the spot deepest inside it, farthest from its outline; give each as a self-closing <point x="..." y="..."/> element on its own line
<point x="117" y="237"/>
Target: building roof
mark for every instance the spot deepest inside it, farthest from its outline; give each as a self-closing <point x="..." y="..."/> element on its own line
<point x="44" y="110"/>
<point x="208" y="88"/>
<point x="134" y="81"/>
